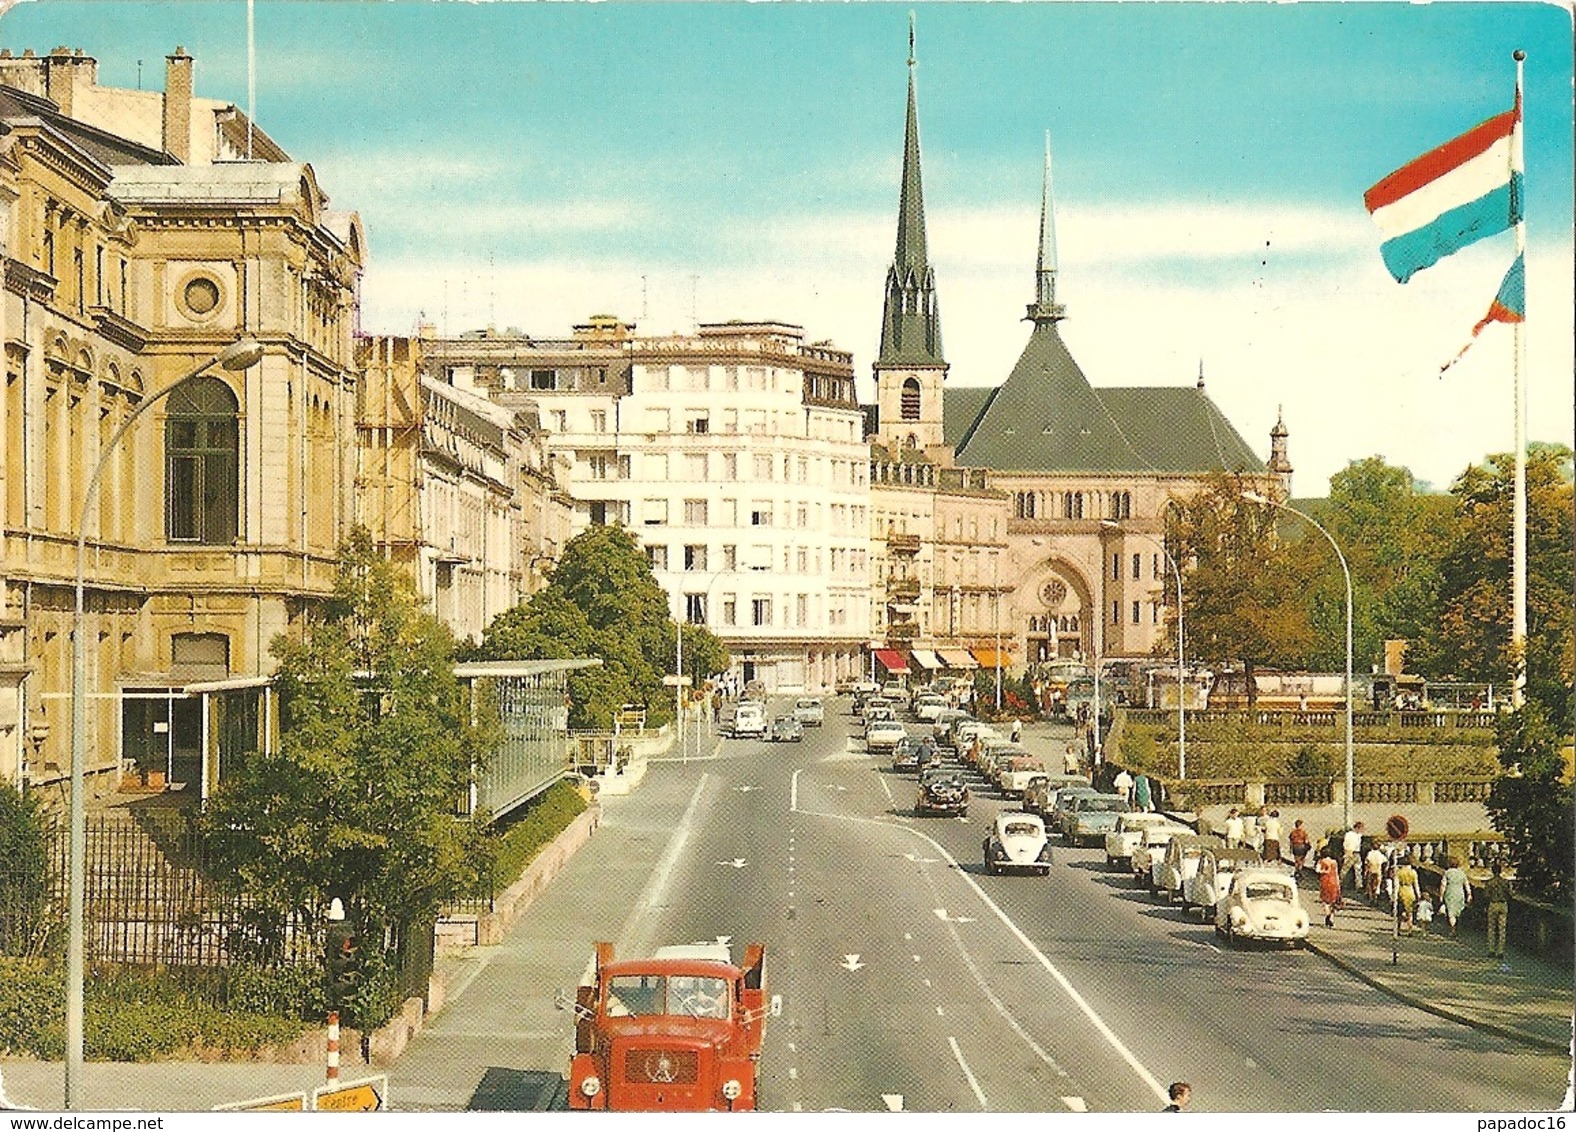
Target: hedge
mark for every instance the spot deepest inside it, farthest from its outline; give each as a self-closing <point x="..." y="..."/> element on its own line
<point x="1253" y="753"/>
<point x="548" y="815"/>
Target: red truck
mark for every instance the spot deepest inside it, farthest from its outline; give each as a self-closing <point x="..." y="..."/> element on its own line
<point x="678" y="1032"/>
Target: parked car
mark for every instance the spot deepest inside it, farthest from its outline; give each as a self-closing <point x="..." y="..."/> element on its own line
<point x="942" y="792"/>
<point x="877" y="708"/>
<point x="1216" y="868"/>
<point x="1128" y="834"/>
<point x="809" y="711"/>
<point x="994" y="755"/>
<point x="941" y="726"/>
<point x="1014" y="775"/>
<point x="895" y="691"/>
<point x="1180" y="862"/>
<point x="749" y="720"/>
<point x="883" y="735"/>
<point x="786" y="729"/>
<point x="1151" y="851"/>
<point x="1017" y="840"/>
<point x="927" y="707"/>
<point x="1041" y="796"/>
<point x="847" y="686"/>
<point x="1063" y="802"/>
<point x="879" y="715"/>
<point x="905" y="754"/>
<point x="1263" y="906"/>
<point x="1091" y="817"/>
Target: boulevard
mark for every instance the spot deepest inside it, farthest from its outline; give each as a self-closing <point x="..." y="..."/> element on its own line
<point x="909" y="978"/>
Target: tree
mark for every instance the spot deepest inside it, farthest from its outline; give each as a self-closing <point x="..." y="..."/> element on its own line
<point x="1241" y="591"/>
<point x="1531" y="803"/>
<point x="602" y="601"/>
<point x="25" y="926"/>
<point x="376" y="750"/>
<point x="1472" y="636"/>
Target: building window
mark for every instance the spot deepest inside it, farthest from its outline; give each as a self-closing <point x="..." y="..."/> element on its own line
<point x="598" y="420"/>
<point x="560" y="420"/>
<point x="695" y="467"/>
<point x="730" y="610"/>
<point x="1116" y="567"/>
<point x="730" y="558"/>
<point x="1135" y="613"/>
<point x="697" y="423"/>
<point x="695" y="609"/>
<point x="655" y="512"/>
<point x="695" y="513"/>
<point x="657" y="556"/>
<point x="544" y="379"/>
<point x="1116" y="613"/>
<point x="695" y="556"/>
<point x="1154" y="613"/>
<point x="1138" y="566"/>
<point x="761" y="515"/>
<point x="201" y="447"/>
<point x="910" y="400"/>
<point x="730" y="466"/>
<point x="597" y="465"/>
<point x="625" y="467"/>
<point x="761" y="611"/>
<point x="763" y="467"/>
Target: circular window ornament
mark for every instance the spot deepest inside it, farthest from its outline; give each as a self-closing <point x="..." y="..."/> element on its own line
<point x="201" y="295"/>
<point x="1053" y="593"/>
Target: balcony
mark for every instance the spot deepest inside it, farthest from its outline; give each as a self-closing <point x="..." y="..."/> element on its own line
<point x="902" y="544"/>
<point x="902" y="631"/>
<point x="902" y="589"/>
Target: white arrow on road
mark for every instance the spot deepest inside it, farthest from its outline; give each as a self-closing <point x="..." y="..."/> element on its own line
<point x="746" y="789"/>
<point x="830" y="786"/>
<point x="736" y="863"/>
<point x="851" y="963"/>
<point x="918" y="860"/>
<point x="941" y="913"/>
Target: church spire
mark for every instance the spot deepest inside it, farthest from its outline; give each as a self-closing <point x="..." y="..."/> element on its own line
<point x="910" y="322"/>
<point x="1045" y="308"/>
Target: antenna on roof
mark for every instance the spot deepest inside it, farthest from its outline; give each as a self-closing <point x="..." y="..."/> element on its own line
<point x="1201" y="373"/>
<point x="251" y="76"/>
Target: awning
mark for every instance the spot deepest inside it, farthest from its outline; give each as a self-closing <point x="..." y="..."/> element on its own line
<point x="925" y="658"/>
<point x="892" y="661"/>
<point x="956" y="658"/>
<point x="990" y="658"/>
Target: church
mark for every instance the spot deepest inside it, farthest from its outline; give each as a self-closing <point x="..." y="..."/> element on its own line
<point x="1067" y="561"/>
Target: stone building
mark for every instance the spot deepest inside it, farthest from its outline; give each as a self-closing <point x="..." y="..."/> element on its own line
<point x="1084" y="474"/>
<point x="736" y="455"/>
<point x="454" y="487"/>
<point x="130" y="259"/>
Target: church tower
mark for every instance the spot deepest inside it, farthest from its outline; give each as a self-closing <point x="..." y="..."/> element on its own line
<point x="1045" y="308"/>
<point x="909" y="368"/>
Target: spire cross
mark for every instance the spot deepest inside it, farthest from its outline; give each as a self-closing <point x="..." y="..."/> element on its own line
<point x="911" y="39"/>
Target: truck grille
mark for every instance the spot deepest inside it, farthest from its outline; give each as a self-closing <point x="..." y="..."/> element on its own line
<point x="660" y="1066"/>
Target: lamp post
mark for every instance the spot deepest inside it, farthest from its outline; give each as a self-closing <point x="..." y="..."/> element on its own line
<point x="1255" y="497"/>
<point x="995" y="586"/>
<point x="1181" y="651"/>
<point x="239" y="355"/>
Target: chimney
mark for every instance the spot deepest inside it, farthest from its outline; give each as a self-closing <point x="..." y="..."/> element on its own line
<point x="178" y="105"/>
<point x="64" y="72"/>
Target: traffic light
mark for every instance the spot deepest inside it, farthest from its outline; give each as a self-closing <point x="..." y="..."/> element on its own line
<point x="339" y="959"/>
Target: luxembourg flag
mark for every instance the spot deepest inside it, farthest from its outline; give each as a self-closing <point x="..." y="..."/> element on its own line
<point x="1467" y="189"/>
<point x="1509" y="306"/>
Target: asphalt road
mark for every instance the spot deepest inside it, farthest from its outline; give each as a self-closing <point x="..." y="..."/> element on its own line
<point x="911" y="979"/>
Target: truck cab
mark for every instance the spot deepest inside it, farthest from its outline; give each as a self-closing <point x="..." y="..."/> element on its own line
<point x="677" y="1032"/>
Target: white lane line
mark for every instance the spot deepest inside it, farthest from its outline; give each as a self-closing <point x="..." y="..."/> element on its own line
<point x="893" y="1101"/>
<point x="793" y="1073"/>
<point x="793" y="798"/>
<point x="888" y="791"/>
<point x="979" y="1094"/>
<point x="659" y="879"/>
<point x="1076" y="1104"/>
<point x="940" y="1013"/>
<point x="1088" y="1011"/>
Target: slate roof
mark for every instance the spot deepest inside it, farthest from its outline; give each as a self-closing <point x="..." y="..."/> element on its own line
<point x="1046" y="417"/>
<point x="99" y="144"/>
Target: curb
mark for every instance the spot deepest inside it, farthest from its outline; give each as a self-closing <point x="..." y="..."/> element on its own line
<point x="1522" y="1036"/>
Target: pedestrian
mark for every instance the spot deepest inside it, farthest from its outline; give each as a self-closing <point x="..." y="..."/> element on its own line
<point x="1329" y="870"/>
<point x="1017" y="730"/>
<point x="1300" y="843"/>
<point x="1374" y="870"/>
<point x="1425" y="912"/>
<point x="1271" y="824"/>
<point x="1352" y="855"/>
<point x="1070" y="759"/>
<point x="1233" y="829"/>
<point x="1143" y="796"/>
<point x="1123" y="785"/>
<point x="1407" y="891"/>
<point x="1455" y="893"/>
<point x="1180" y="1093"/>
<point x="1496" y="895"/>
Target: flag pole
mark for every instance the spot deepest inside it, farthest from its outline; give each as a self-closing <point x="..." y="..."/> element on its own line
<point x="1518" y="633"/>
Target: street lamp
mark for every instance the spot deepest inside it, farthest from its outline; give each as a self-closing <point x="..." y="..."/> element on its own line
<point x="1181" y="653"/>
<point x="239" y="355"/>
<point x="1255" y="497"/>
<point x="995" y="586"/>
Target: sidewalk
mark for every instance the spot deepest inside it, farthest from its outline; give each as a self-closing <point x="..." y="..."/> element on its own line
<point x="1525" y="998"/>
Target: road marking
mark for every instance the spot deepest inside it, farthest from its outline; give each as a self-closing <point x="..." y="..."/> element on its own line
<point x="927" y="982"/>
<point x="792" y="1048"/>
<point x="793" y="1073"/>
<point x="888" y="791"/>
<point x="941" y="914"/>
<point x="916" y="959"/>
<point x="1075" y="1103"/>
<point x="736" y="863"/>
<point x="893" y="1101"/>
<point x="793" y="796"/>
<point x="659" y="879"/>
<point x="979" y="1094"/>
<point x="746" y="789"/>
<point x="851" y="962"/>
<point x="918" y="860"/>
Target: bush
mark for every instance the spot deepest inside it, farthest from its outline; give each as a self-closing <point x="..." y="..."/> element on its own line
<point x="32" y="1008"/>
<point x="287" y="991"/>
<point x="545" y="817"/>
<point x="25" y="928"/>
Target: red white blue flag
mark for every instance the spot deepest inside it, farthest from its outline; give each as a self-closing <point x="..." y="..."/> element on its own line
<point x="1463" y="191"/>
<point x="1509" y="305"/>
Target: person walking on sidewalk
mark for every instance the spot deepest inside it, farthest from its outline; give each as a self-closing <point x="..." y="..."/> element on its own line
<point x="1329" y="870"/>
<point x="1455" y="893"/>
<point x="1123" y="785"/>
<point x="1407" y="890"/>
<point x="1496" y="895"/>
<point x="1271" y="824"/>
<point x="1233" y="829"/>
<point x="1300" y="843"/>
<point x="1017" y="730"/>
<point x="1143" y="798"/>
<point x="1352" y="855"/>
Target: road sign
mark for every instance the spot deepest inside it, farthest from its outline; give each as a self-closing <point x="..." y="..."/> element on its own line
<point x="284" y="1102"/>
<point x="1397" y="827"/>
<point x="676" y="681"/>
<point x="370" y="1094"/>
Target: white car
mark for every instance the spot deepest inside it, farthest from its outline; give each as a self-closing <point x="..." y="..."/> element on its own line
<point x="1013" y="776"/>
<point x="883" y="734"/>
<point x="1151" y="851"/>
<point x="1180" y="861"/>
<point x="1017" y="841"/>
<point x="749" y="720"/>
<point x="1216" y="869"/>
<point x="941" y="726"/>
<point x="926" y="708"/>
<point x="808" y="711"/>
<point x="1262" y="906"/>
<point x="1128" y="835"/>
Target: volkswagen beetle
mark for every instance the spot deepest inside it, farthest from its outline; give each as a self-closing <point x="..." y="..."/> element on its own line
<point x="1016" y="841"/>
<point x="1262" y="906"/>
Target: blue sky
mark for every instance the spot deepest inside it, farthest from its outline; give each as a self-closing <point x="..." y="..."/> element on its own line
<point x="529" y="165"/>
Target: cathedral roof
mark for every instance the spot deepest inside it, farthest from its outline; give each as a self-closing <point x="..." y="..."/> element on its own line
<point x="1046" y="417"/>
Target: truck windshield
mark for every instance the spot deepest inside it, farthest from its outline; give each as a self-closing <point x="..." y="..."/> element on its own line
<point x="691" y="996"/>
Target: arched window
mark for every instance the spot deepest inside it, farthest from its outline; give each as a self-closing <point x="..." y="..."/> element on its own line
<point x="201" y="457"/>
<point x="911" y="400"/>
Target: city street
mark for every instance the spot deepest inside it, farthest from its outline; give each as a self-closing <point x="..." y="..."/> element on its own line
<point x="910" y="978"/>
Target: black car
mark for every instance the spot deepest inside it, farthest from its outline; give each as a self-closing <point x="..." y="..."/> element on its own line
<point x="942" y="792"/>
<point x="905" y="754"/>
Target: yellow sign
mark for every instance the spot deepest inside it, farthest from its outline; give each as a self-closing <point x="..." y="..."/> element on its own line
<point x="285" y="1102"/>
<point x="367" y="1095"/>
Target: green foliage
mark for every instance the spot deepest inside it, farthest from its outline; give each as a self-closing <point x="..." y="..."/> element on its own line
<point x="1256" y="752"/>
<point x="32" y="1008"/>
<point x="287" y="990"/>
<point x="377" y="749"/>
<point x="603" y="601"/>
<point x="24" y="927"/>
<point x="1531" y="804"/>
<point x="547" y="816"/>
